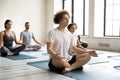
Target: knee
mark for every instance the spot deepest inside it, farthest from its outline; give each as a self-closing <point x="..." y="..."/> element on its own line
<point x="87" y="56"/>
<point x="3" y="52"/>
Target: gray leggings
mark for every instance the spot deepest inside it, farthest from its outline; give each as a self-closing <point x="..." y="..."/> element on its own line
<point x="4" y="50"/>
<point x="37" y="47"/>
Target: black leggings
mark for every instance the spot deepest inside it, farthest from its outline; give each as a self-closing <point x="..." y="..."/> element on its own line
<point x="60" y="70"/>
<point x="4" y="51"/>
<point x="85" y="45"/>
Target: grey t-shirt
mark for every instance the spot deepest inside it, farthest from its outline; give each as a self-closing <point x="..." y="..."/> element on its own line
<point x="27" y="36"/>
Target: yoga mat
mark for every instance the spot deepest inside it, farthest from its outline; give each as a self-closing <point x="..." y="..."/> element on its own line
<point x="20" y="57"/>
<point x="85" y="74"/>
<point x="33" y="51"/>
<point x="117" y="57"/>
<point x="40" y="64"/>
<point x="46" y="54"/>
<point x="97" y="60"/>
<point x="100" y="53"/>
<point x="117" y="67"/>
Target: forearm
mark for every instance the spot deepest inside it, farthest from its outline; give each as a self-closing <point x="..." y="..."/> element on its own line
<point x="80" y="50"/>
<point x="1" y="44"/>
<point x="51" y="52"/>
<point x="20" y="43"/>
<point x="84" y="42"/>
<point x="79" y="46"/>
<point x="38" y="42"/>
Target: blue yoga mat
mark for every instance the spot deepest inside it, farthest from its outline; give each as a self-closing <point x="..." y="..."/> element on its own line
<point x="20" y="57"/>
<point x="86" y="74"/>
<point x="117" y="57"/>
<point x="117" y="67"/>
<point x="46" y="54"/>
<point x="33" y="51"/>
<point x="97" y="60"/>
<point x="40" y="64"/>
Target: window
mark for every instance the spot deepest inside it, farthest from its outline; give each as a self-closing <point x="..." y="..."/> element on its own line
<point x="112" y="18"/>
<point x="68" y="6"/>
<point x="78" y="10"/>
<point x="99" y="18"/>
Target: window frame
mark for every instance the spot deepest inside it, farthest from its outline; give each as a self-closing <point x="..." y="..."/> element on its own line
<point x="72" y="14"/>
<point x="104" y="33"/>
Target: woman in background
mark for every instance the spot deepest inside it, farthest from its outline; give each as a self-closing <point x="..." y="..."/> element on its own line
<point x="72" y="28"/>
<point x="6" y="41"/>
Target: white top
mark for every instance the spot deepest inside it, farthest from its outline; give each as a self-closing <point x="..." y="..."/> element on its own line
<point x="75" y="44"/>
<point x="27" y="36"/>
<point x="62" y="42"/>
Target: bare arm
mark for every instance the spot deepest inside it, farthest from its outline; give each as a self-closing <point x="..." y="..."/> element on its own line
<point x="21" y="37"/>
<point x="51" y="52"/>
<point x="49" y="48"/>
<point x="79" y="45"/>
<point x="1" y="39"/>
<point x="40" y="43"/>
<point x="81" y="41"/>
<point x="17" y="41"/>
<point x="57" y="59"/>
<point x="81" y="51"/>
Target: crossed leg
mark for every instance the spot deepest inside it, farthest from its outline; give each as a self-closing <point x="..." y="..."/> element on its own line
<point x="81" y="59"/>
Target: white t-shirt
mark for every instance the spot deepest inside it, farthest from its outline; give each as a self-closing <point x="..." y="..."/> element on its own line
<point x="27" y="36"/>
<point x="75" y="44"/>
<point x="62" y="42"/>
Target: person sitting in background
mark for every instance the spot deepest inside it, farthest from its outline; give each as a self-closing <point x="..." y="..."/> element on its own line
<point x="72" y="28"/>
<point x="6" y="41"/>
<point x="26" y="36"/>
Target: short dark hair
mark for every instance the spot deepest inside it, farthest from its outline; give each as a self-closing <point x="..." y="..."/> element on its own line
<point x="58" y="16"/>
<point x="70" y="25"/>
<point x="6" y="22"/>
<point x="27" y="23"/>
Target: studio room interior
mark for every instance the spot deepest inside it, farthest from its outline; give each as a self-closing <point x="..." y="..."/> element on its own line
<point x="59" y="39"/>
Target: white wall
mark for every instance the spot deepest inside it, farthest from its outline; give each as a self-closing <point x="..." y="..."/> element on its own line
<point x="50" y="13"/>
<point x="51" y="10"/>
<point x="20" y="11"/>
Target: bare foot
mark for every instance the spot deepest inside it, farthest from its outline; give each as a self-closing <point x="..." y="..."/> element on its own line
<point x="10" y="54"/>
<point x="66" y="70"/>
<point x="32" y="48"/>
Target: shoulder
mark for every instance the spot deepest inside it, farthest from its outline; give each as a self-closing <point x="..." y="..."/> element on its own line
<point x="69" y="33"/>
<point x="2" y="32"/>
<point x="52" y="31"/>
<point x="22" y="32"/>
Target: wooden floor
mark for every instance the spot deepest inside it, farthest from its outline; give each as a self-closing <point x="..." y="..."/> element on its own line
<point x="19" y="70"/>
